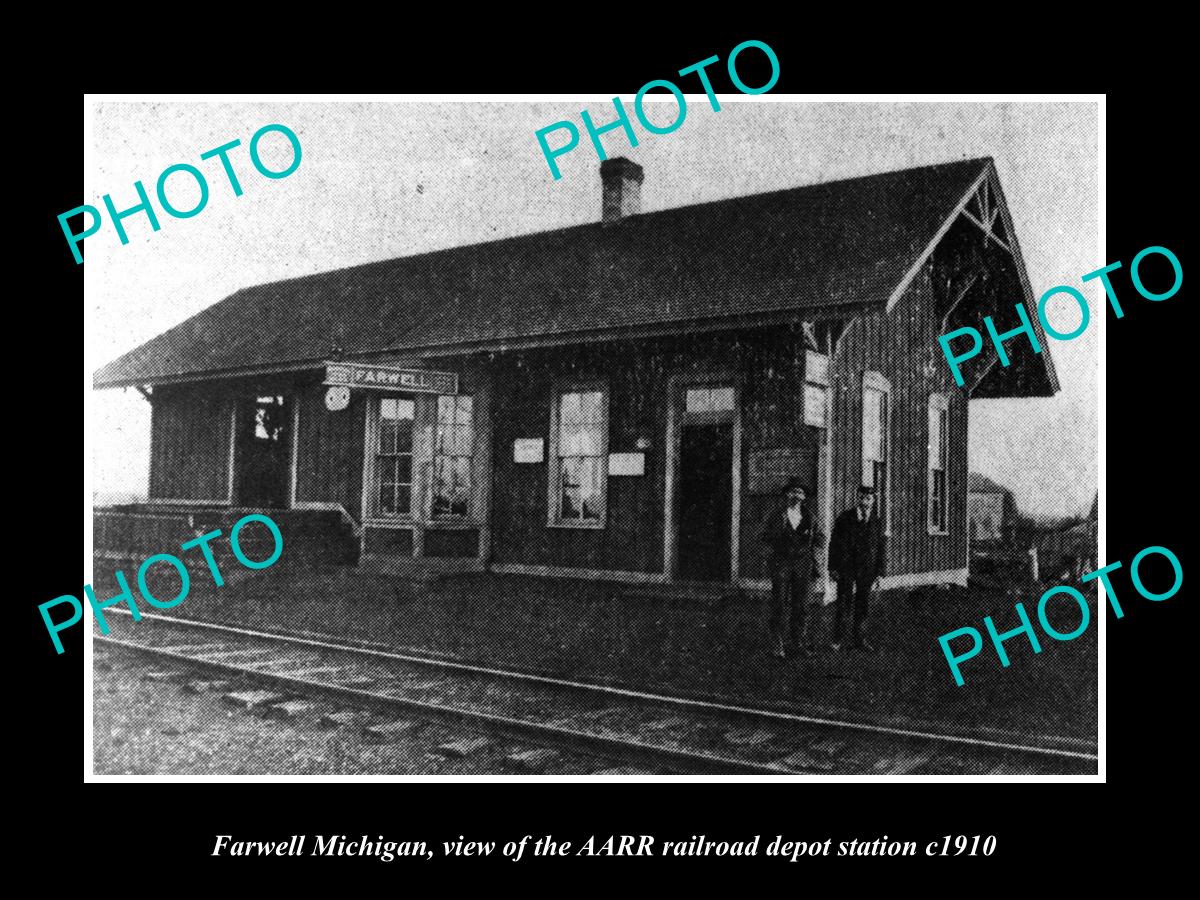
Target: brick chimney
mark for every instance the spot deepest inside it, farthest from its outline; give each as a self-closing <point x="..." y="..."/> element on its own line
<point x="621" y="182"/>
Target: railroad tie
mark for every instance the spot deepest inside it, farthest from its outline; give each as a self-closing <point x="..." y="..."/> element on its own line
<point x="201" y="686"/>
<point x="463" y="747"/>
<point x="532" y="762"/>
<point x="388" y="732"/>
<point x="803" y="760"/>
<point x="252" y="700"/>
<point x="290" y="709"/>
<point x="902" y="764"/>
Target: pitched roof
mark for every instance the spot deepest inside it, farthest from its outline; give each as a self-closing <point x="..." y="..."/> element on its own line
<point x="981" y="484"/>
<point x="836" y="243"/>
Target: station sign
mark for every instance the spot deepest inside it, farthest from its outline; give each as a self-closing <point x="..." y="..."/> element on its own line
<point x="388" y="378"/>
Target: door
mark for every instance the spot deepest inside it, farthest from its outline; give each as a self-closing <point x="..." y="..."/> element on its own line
<point x="263" y="452"/>
<point x="705" y="501"/>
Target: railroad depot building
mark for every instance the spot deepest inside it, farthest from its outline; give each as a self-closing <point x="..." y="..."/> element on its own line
<point x="619" y="400"/>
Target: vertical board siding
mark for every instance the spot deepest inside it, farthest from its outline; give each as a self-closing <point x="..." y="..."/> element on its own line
<point x="767" y="368"/>
<point x="631" y="539"/>
<point x="189" y="445"/>
<point x="902" y="347"/>
<point x="329" y="459"/>
<point x="772" y="372"/>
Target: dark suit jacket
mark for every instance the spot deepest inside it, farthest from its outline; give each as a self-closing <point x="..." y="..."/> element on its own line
<point x="789" y="545"/>
<point x="857" y="550"/>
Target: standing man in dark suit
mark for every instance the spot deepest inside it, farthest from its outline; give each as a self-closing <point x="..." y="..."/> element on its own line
<point x="792" y="540"/>
<point x="856" y="561"/>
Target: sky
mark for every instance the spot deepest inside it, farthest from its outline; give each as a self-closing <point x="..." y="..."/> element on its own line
<point x="385" y="179"/>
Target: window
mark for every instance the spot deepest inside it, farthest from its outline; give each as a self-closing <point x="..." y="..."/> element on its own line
<point x="579" y="476"/>
<point x="452" y="457"/>
<point x="875" y="440"/>
<point x="939" y="434"/>
<point x="393" y="457"/>
<point x="268" y="419"/>
<point x="709" y="400"/>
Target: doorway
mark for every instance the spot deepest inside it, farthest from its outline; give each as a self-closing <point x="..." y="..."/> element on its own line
<point x="263" y="457"/>
<point x="705" y="501"/>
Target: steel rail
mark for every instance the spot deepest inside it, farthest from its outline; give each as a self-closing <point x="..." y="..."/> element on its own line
<point x="571" y="740"/>
<point x="723" y="709"/>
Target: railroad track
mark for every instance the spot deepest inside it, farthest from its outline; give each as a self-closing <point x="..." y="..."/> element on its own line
<point x="640" y="729"/>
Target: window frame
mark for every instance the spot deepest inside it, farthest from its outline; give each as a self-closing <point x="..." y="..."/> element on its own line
<point x="939" y="404"/>
<point x="437" y="456"/>
<point x="554" y="517"/>
<point x="375" y="450"/>
<point x="875" y="381"/>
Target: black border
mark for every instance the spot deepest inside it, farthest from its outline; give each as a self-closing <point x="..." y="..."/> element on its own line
<point x="1062" y="829"/>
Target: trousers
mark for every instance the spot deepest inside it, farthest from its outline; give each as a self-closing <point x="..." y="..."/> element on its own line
<point x="853" y="595"/>
<point x="789" y="591"/>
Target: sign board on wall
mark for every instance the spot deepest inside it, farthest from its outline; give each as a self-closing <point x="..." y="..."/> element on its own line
<point x="529" y="450"/>
<point x="770" y="470"/>
<point x="814" y="405"/>
<point x="389" y="378"/>
<point x="627" y="464"/>
<point x="816" y="388"/>
<point x="816" y="367"/>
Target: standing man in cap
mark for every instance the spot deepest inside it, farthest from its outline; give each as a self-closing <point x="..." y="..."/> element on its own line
<point x="792" y="539"/>
<point x="856" y="561"/>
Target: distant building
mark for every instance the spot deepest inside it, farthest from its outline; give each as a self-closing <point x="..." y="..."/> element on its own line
<point x="991" y="510"/>
<point x="1070" y="551"/>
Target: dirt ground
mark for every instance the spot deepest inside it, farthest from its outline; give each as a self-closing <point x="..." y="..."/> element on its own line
<point x="144" y="727"/>
<point x="614" y="634"/>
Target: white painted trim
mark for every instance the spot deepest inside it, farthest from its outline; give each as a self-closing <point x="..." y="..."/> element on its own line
<point x="876" y="381"/>
<point x="889" y="582"/>
<point x="589" y="574"/>
<point x="920" y="579"/>
<point x="233" y="408"/>
<point x="370" y="413"/>
<point x="294" y="450"/>
<point x="941" y="232"/>
<point x="941" y="403"/>
<point x="966" y="214"/>
<point x="901" y="582"/>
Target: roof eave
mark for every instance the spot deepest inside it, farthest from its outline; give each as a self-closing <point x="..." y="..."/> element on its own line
<point x="520" y="342"/>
